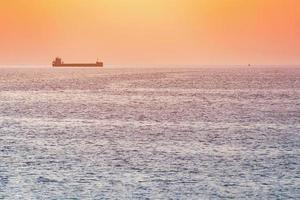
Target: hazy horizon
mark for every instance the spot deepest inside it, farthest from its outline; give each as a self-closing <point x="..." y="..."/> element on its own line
<point x="162" y="66"/>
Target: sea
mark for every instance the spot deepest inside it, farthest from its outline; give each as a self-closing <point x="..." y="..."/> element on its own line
<point x="150" y="133"/>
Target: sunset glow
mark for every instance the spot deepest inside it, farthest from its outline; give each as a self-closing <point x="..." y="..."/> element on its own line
<point x="151" y="31"/>
<point x="149" y="99"/>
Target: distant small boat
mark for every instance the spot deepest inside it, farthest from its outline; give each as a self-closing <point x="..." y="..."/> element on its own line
<point x="59" y="63"/>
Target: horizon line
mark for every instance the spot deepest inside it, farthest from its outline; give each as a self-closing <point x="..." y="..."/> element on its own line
<point x="161" y="65"/>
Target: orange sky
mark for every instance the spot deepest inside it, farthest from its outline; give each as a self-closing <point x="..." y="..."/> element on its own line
<point x="151" y="31"/>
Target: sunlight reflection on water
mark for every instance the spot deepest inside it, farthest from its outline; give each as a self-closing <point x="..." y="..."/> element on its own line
<point x="149" y="133"/>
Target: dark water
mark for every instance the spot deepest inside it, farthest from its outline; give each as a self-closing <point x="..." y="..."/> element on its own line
<point x="149" y="133"/>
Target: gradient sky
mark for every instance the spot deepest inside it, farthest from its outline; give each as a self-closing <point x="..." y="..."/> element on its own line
<point x="151" y="31"/>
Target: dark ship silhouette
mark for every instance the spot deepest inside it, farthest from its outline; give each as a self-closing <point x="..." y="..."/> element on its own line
<point x="59" y="63"/>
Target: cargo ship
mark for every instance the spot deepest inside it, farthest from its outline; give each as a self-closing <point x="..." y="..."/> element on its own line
<point x="59" y="63"/>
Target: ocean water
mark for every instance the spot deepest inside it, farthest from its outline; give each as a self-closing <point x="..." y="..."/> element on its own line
<point x="149" y="133"/>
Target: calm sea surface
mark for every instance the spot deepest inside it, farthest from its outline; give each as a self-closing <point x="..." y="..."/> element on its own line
<point x="149" y="133"/>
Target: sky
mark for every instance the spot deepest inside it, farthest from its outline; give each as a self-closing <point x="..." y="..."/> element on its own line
<point x="151" y="32"/>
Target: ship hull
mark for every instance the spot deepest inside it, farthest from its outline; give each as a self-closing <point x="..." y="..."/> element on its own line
<point x="79" y="65"/>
